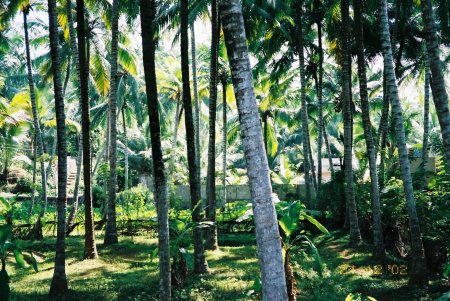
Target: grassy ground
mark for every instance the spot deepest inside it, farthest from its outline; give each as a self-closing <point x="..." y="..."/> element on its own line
<point x="124" y="272"/>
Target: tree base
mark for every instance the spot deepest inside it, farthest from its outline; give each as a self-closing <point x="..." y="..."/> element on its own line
<point x="37" y="230"/>
<point x="58" y="287"/>
<point x="110" y="239"/>
<point x="418" y="274"/>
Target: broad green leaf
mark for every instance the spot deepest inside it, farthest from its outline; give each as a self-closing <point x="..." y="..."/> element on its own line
<point x="287" y="225"/>
<point x="34" y="262"/>
<point x="5" y="234"/>
<point x="20" y="260"/>
<point x="316" y="223"/>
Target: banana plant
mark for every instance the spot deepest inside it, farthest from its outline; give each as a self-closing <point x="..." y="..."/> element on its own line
<point x="291" y="216"/>
<point x="7" y="246"/>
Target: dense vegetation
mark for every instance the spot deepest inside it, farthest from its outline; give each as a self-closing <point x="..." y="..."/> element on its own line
<point x="224" y="150"/>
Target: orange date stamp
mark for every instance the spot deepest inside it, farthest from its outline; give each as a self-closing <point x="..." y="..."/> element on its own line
<point x="378" y="269"/>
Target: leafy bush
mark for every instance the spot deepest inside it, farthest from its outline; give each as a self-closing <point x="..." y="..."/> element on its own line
<point x="98" y="196"/>
<point x="24" y="185"/>
<point x="133" y="200"/>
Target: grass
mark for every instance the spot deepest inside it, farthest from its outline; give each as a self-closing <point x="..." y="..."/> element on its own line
<point x="125" y="272"/>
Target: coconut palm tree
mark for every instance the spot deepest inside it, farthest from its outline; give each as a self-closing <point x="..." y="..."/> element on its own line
<point x="318" y="15"/>
<point x="370" y="146"/>
<point x="196" y="100"/>
<point x="211" y="237"/>
<point x="111" y="230"/>
<point x="426" y="119"/>
<point x="59" y="280"/>
<point x="352" y="216"/>
<point x="148" y="8"/>
<point x="200" y="264"/>
<point x="267" y="235"/>
<point x="418" y="271"/>
<point x="90" y="249"/>
<point x="304" y="113"/>
<point x="36" y="123"/>
<point x="440" y="96"/>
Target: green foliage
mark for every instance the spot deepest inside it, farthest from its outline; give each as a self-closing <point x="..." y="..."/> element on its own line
<point x="24" y="185"/>
<point x="98" y="195"/>
<point x="7" y="246"/>
<point x="291" y="216"/>
<point x="103" y="174"/>
<point x="359" y="297"/>
<point x="133" y="200"/>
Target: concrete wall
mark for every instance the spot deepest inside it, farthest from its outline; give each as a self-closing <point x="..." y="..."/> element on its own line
<point x="234" y="192"/>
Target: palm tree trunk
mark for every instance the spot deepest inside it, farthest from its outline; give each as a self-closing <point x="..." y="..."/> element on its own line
<point x="304" y="110"/>
<point x="33" y="193"/>
<point x="327" y="146"/>
<point x="320" y="109"/>
<point x="211" y="234"/>
<point x="382" y="133"/>
<point x="59" y="280"/>
<point x="36" y="123"/>
<point x="224" y="140"/>
<point x="99" y="158"/>
<point x="81" y="59"/>
<point x="74" y="211"/>
<point x="52" y="155"/>
<point x="111" y="230"/>
<point x="313" y="167"/>
<point x="48" y="170"/>
<point x="148" y="9"/>
<point x="355" y="235"/>
<point x="426" y="121"/>
<point x="418" y="270"/>
<point x="367" y="124"/>
<point x="124" y="124"/>
<point x="440" y="96"/>
<point x="200" y="264"/>
<point x="196" y="101"/>
<point x="267" y="234"/>
<point x="178" y="112"/>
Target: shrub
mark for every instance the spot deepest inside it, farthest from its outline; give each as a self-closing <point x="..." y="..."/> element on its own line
<point x="24" y="185"/>
<point x="133" y="200"/>
<point x="98" y="196"/>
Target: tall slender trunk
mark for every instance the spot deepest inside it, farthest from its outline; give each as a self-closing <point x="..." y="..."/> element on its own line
<point x="327" y="146"/>
<point x="178" y="112"/>
<point x="224" y="140"/>
<point x="320" y="109"/>
<point x="111" y="230"/>
<point x="36" y="123"/>
<point x="148" y="8"/>
<point x="355" y="235"/>
<point x="81" y="58"/>
<point x="426" y="121"/>
<point x="267" y="235"/>
<point x="382" y="133"/>
<point x="440" y="96"/>
<point x="418" y="270"/>
<point x="304" y="110"/>
<point x="200" y="264"/>
<point x="196" y="101"/>
<point x="367" y="124"/>
<point x="125" y="138"/>
<point x="33" y="193"/>
<point x="99" y="158"/>
<point x="74" y="211"/>
<point x="59" y="280"/>
<point x="48" y="170"/>
<point x="313" y="167"/>
<point x="211" y="234"/>
<point x="52" y="155"/>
